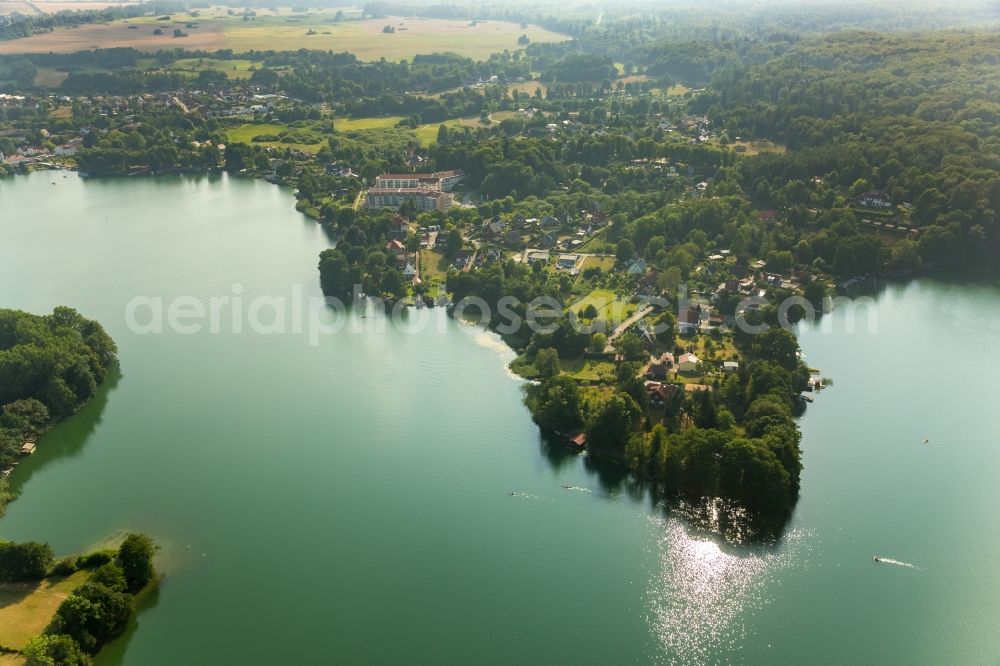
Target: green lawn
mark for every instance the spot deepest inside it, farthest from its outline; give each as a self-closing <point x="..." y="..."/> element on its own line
<point x="610" y="306"/>
<point x="358" y="124"/>
<point x="606" y="264"/>
<point x="432" y="265"/>
<point x="426" y="134"/>
<point x="27" y="608"/>
<point x="245" y="134"/>
<point x="586" y="369"/>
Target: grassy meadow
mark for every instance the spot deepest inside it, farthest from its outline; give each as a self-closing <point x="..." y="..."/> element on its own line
<point x="27" y="608"/>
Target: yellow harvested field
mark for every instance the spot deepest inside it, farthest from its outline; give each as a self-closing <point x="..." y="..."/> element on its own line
<point x="53" y="6"/>
<point x="27" y="608"/>
<point x="11" y="659"/>
<point x="116" y="34"/>
<point x="11" y="6"/>
<point x="284" y="30"/>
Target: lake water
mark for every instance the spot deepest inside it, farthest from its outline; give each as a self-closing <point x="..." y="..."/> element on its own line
<point x="348" y="501"/>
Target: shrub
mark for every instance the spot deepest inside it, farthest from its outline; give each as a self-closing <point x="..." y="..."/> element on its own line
<point x="66" y="566"/>
<point x="95" y="559"/>
<point x="24" y="561"/>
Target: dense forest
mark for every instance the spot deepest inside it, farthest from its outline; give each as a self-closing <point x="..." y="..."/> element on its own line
<point x="49" y="367"/>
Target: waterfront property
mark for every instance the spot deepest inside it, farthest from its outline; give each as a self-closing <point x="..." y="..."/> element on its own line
<point x="439" y="180"/>
<point x="422" y="198"/>
<point x="427" y="191"/>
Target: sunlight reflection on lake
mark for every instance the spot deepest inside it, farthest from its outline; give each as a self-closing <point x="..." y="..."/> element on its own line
<point x="706" y="588"/>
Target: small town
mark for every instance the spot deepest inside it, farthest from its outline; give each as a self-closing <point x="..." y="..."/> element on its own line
<point x="506" y="333"/>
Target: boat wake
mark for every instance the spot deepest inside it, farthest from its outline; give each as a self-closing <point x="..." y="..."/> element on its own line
<point x="889" y="560"/>
<point x="579" y="488"/>
<point x="528" y="496"/>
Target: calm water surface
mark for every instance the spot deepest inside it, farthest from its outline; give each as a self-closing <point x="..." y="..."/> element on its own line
<point x="347" y="501"/>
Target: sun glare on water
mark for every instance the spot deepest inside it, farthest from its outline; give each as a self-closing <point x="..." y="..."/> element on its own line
<point x="704" y="589"/>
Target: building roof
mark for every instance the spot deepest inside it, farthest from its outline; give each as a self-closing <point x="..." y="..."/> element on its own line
<point x="689" y="316"/>
<point x="411" y="191"/>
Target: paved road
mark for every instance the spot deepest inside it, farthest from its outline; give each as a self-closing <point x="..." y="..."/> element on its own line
<point x="622" y="327"/>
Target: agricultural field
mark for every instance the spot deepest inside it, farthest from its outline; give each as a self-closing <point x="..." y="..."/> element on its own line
<point x="37" y="7"/>
<point x="11" y="6"/>
<point x="284" y="30"/>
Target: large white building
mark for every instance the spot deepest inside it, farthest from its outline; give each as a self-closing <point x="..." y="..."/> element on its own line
<point x="440" y="180"/>
<point x="428" y="191"/>
<point x="424" y="198"/>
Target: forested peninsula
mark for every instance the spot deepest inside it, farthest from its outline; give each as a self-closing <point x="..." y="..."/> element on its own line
<point x="50" y="366"/>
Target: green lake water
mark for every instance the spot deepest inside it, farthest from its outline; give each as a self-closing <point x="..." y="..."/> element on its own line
<point x="347" y="502"/>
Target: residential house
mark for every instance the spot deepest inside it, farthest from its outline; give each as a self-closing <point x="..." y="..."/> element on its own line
<point x="567" y="261"/>
<point x="661" y="367"/>
<point x="875" y="199"/>
<point x="688" y="363"/>
<point x="538" y="256"/>
<point x="660" y="393"/>
<point x="717" y="319"/>
<point x="493" y="228"/>
<point x="69" y="148"/>
<point x="688" y="321"/>
<point x="400" y="228"/>
<point x="395" y="248"/>
<point x="637" y="267"/>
